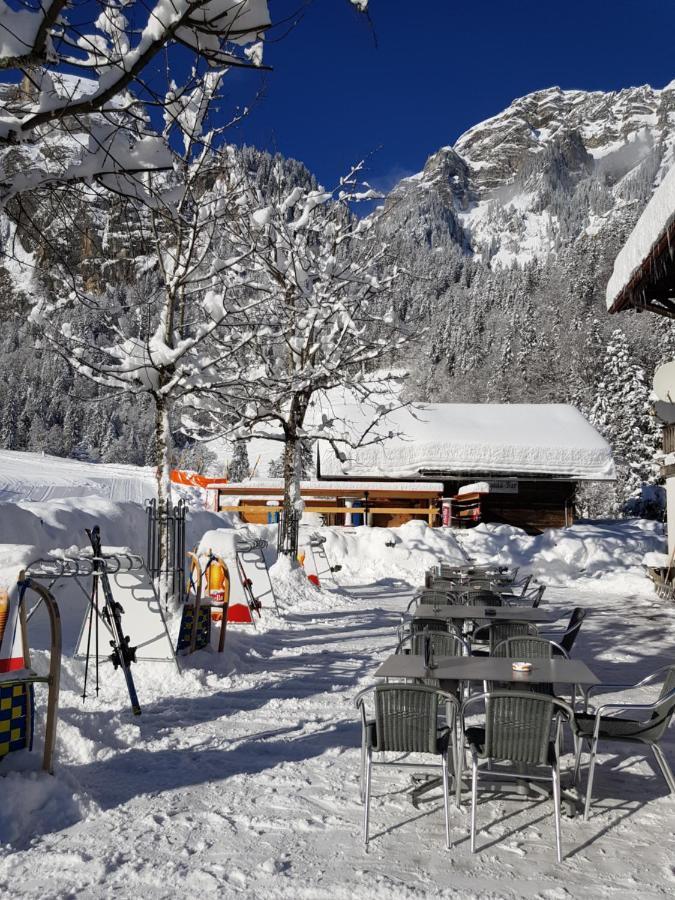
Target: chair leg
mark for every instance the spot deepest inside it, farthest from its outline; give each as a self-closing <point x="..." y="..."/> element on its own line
<point x="459" y="771"/>
<point x="362" y="779"/>
<point x="591" y="772"/>
<point x="366" y="811"/>
<point x="446" y="798"/>
<point x="555" y="774"/>
<point x="578" y="747"/>
<point x="665" y="768"/>
<point x="474" y="799"/>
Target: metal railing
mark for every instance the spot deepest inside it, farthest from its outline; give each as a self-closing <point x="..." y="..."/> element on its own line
<point x="166" y="531"/>
<point x="288" y="531"/>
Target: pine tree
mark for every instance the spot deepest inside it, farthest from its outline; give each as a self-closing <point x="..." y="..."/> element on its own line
<point x="275" y="467"/>
<point x="622" y="414"/>
<point x="239" y="468"/>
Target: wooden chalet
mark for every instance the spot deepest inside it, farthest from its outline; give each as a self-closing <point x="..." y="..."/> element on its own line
<point x="643" y="280"/>
<point x="516" y="464"/>
<point x="644" y="270"/>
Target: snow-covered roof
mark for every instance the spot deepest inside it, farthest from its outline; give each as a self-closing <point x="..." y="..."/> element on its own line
<point x="641" y="261"/>
<point x="447" y="439"/>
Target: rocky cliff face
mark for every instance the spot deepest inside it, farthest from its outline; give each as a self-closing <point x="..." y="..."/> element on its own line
<point x="554" y="168"/>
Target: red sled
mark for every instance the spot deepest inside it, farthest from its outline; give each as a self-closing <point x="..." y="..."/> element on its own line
<point x="239" y="612"/>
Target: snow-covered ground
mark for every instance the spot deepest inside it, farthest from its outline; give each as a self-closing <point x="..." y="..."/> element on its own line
<point x="240" y="776"/>
<point x="38" y="477"/>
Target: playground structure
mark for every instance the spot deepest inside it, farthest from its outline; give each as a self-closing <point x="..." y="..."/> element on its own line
<point x="17" y="678"/>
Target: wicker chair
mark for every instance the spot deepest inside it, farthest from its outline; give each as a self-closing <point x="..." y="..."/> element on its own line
<point x="526" y="646"/>
<point x="496" y="632"/>
<point x="646" y="724"/>
<point x="444" y="643"/>
<point x="408" y="719"/>
<point x="519" y="727"/>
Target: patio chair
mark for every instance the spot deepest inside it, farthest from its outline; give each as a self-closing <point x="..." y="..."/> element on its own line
<point x="432" y="597"/>
<point x="645" y="724"/>
<point x="520" y="585"/>
<point x="480" y="598"/>
<point x="408" y="627"/>
<point x="528" y="646"/>
<point x="496" y="633"/>
<point x="408" y="719"/>
<point x="567" y="638"/>
<point x="531" y="598"/>
<point x="444" y="643"/>
<point x="522" y="728"/>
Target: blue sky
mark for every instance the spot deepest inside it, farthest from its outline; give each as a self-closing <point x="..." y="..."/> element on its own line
<point x="439" y="67"/>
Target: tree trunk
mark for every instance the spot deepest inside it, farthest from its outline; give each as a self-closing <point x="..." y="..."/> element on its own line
<point x="293" y="504"/>
<point x="163" y="477"/>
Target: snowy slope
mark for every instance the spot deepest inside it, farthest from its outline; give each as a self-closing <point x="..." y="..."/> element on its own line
<point x="37" y="477"/>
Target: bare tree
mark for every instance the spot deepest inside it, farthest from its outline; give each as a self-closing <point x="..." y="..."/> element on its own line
<point x="172" y="338"/>
<point x="84" y="64"/>
<point x="323" y="321"/>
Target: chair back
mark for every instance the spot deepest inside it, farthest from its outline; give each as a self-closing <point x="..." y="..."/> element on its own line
<point x="420" y="623"/>
<point x="481" y="598"/>
<point x="528" y="647"/>
<point x="523" y="584"/>
<point x="501" y="631"/>
<point x="444" y="643"/>
<point x="570" y="636"/>
<point x="406" y="718"/>
<point x="518" y="726"/>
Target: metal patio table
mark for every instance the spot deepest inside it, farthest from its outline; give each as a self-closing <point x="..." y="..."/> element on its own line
<point x="490" y="668"/>
<point x="490" y="613"/>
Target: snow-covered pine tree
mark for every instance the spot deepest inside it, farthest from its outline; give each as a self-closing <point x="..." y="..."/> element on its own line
<point x="622" y="413"/>
<point x="239" y="468"/>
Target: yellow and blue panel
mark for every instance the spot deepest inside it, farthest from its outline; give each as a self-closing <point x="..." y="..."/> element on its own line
<point x="16" y="718"/>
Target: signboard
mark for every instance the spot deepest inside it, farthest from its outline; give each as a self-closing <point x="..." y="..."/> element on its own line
<point x="503" y="485"/>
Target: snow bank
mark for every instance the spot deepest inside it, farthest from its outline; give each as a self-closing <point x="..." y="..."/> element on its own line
<point x="585" y="550"/>
<point x="29" y="530"/>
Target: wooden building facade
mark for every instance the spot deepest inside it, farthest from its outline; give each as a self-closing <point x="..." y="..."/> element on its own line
<point x="377" y="503"/>
<point x="643" y="280"/>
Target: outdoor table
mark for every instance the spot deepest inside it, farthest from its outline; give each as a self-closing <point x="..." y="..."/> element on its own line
<point x="501" y="613"/>
<point x="491" y="668"/>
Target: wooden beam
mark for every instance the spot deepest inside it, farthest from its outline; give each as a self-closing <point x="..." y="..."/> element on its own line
<point x="340" y="510"/>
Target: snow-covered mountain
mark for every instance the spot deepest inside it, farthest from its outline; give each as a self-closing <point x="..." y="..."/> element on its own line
<point x="509" y="185"/>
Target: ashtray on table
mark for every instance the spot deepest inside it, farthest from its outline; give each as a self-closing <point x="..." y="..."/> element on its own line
<point x="522" y="667"/>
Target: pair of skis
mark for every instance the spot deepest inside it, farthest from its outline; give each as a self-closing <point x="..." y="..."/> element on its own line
<point x="123" y="655"/>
